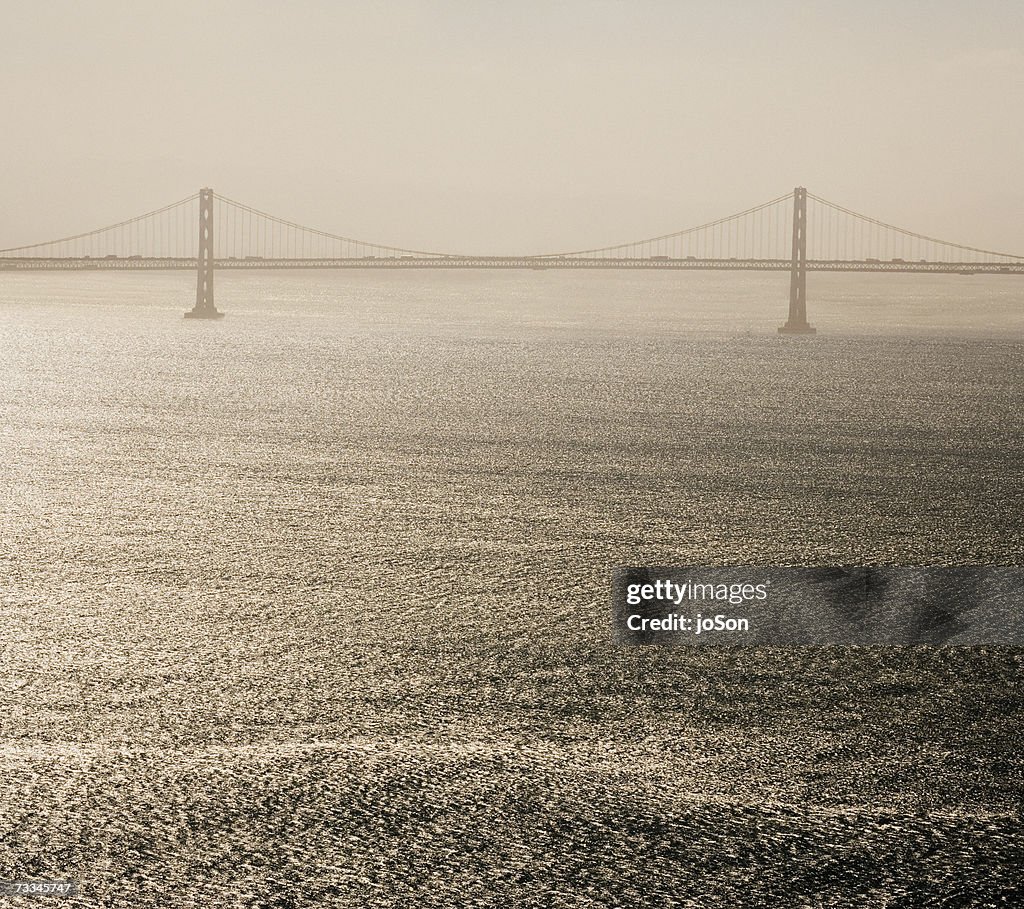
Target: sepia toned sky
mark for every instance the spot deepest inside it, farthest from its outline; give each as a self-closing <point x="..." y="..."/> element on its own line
<point x="516" y="126"/>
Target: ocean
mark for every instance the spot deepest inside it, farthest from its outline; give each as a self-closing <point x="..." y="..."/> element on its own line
<point x="310" y="605"/>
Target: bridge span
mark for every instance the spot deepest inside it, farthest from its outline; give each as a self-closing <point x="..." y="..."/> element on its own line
<point x="796" y="233"/>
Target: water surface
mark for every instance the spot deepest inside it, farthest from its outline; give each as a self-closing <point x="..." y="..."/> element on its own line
<point x="315" y="596"/>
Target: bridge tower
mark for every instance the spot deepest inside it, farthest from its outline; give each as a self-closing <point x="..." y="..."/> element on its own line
<point x="797" y="324"/>
<point x="204" y="308"/>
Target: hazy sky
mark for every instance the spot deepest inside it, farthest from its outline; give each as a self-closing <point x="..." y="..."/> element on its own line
<point x="515" y="126"/>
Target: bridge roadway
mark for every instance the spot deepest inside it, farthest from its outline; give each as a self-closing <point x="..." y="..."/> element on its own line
<point x="142" y="263"/>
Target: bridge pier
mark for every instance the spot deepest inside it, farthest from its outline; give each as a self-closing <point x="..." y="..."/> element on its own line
<point x="797" y="323"/>
<point x="204" y="308"/>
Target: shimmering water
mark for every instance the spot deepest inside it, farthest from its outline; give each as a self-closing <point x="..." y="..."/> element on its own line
<point x="309" y="606"/>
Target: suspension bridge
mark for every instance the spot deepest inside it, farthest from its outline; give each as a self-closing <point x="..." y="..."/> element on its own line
<point x="798" y="232"/>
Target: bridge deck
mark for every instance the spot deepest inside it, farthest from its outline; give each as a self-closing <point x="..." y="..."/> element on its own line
<point x="524" y="262"/>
